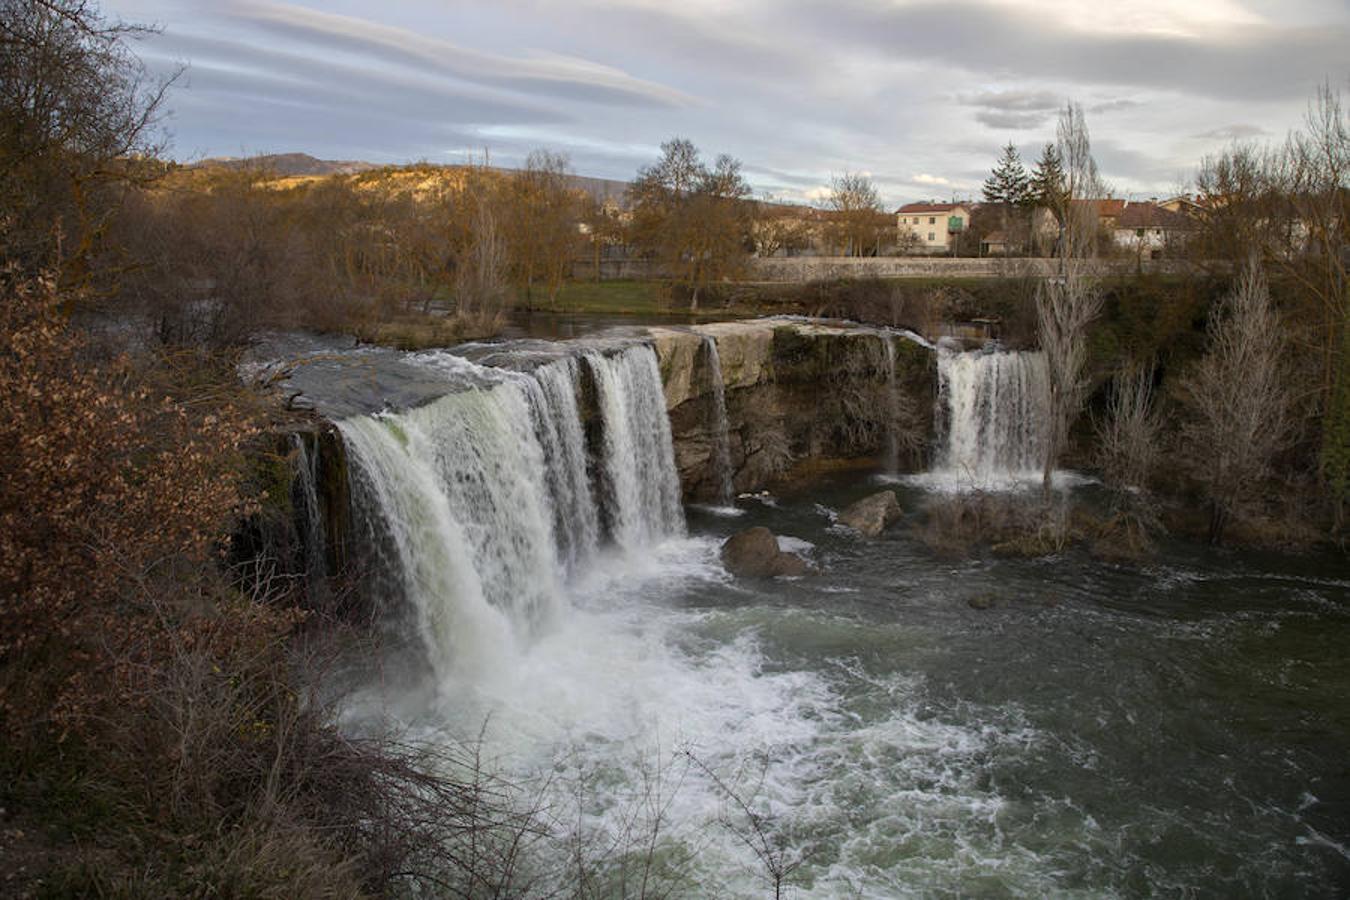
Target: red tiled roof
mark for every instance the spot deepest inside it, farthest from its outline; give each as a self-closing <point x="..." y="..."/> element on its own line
<point x="1107" y="207"/>
<point x="930" y="208"/>
<point x="1147" y="215"/>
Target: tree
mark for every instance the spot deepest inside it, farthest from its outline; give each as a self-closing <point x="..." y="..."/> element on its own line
<point x="780" y="228"/>
<point x="858" y="215"/>
<point x="77" y="118"/>
<point x="1067" y="304"/>
<point x="1008" y="184"/>
<point x="542" y="231"/>
<point x="603" y="227"/>
<point x="1289" y="206"/>
<point x="1316" y="181"/>
<point x="480" y="285"/>
<point x="1238" y="400"/>
<point x="1048" y="188"/>
<point x="694" y="220"/>
<point x="1128" y="449"/>
<point x="1007" y="188"/>
<point x="1082" y="188"/>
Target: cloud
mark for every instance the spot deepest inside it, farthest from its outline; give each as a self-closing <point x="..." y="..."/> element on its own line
<point x="786" y="178"/>
<point x="1237" y="132"/>
<point x="1015" y="101"/>
<point x="1015" y="121"/>
<point x="551" y="75"/>
<point x="1109" y="106"/>
<point x="924" y="178"/>
<point x="1016" y="110"/>
<point x="255" y="74"/>
<point x="1234" y="61"/>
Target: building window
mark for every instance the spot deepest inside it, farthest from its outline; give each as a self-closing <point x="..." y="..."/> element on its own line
<point x="1139" y="232"/>
<point x="931" y="236"/>
<point x="916" y="220"/>
<point x="932" y="220"/>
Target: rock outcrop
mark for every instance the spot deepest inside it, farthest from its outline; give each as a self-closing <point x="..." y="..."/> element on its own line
<point x="754" y="553"/>
<point x="872" y="515"/>
<point x="796" y="392"/>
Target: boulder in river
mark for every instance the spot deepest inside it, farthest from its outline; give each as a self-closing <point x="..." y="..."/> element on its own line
<point x="872" y="515"/>
<point x="754" y="553"/>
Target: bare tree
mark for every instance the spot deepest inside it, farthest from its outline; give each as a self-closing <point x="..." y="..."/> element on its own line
<point x="542" y="215"/>
<point x="858" y="216"/>
<point x="480" y="278"/>
<point x="777" y="227"/>
<point x="79" y="114"/>
<point x="693" y="219"/>
<point x="1067" y="304"/>
<point x="602" y="225"/>
<point x="1238" y="400"/>
<point x="1128" y="450"/>
<point x="1317" y="185"/>
<point x="1127" y="437"/>
<point x="1290" y="206"/>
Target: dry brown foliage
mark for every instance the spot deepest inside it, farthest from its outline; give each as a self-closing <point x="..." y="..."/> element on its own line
<point x="109" y="491"/>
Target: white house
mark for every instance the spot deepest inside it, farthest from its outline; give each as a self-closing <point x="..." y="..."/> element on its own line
<point x="935" y="225"/>
<point x="1149" y="230"/>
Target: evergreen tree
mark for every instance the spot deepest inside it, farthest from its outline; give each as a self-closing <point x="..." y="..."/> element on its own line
<point x="1048" y="185"/>
<point x="1008" y="184"/>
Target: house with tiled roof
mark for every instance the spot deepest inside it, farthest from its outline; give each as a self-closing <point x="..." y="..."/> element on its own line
<point x="1149" y="230"/>
<point x="1045" y="225"/>
<point x="934" y="227"/>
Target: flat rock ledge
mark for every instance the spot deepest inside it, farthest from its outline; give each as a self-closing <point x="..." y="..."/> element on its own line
<point x="872" y="515"/>
<point x="754" y="553"/>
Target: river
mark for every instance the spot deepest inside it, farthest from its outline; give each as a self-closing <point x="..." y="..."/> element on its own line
<point x="899" y="724"/>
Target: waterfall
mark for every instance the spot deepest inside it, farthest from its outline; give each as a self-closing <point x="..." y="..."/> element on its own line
<point x="487" y="494"/>
<point x="720" y="457"/>
<point x="641" y="488"/>
<point x="892" y="408"/>
<point x="992" y="411"/>
<point x="553" y="394"/>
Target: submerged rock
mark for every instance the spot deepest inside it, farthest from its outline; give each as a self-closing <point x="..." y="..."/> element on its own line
<point x="754" y="553"/>
<point x="982" y="601"/>
<point x="872" y="515"/>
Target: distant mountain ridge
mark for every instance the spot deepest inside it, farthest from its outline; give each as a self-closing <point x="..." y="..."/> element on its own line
<point x="288" y="165"/>
<point x="296" y="165"/>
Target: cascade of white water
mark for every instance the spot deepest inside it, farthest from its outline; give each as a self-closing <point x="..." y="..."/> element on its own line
<point x="995" y="415"/>
<point x="396" y="458"/>
<point x="892" y="408"/>
<point x="642" y="491"/>
<point x="721" y="446"/>
<point x="553" y="393"/>
<point x="487" y="498"/>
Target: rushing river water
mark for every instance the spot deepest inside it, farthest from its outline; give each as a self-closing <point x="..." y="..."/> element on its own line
<point x="1178" y="729"/>
<point x="898" y="724"/>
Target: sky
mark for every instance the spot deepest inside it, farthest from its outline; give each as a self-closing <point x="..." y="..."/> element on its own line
<point x="919" y="95"/>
